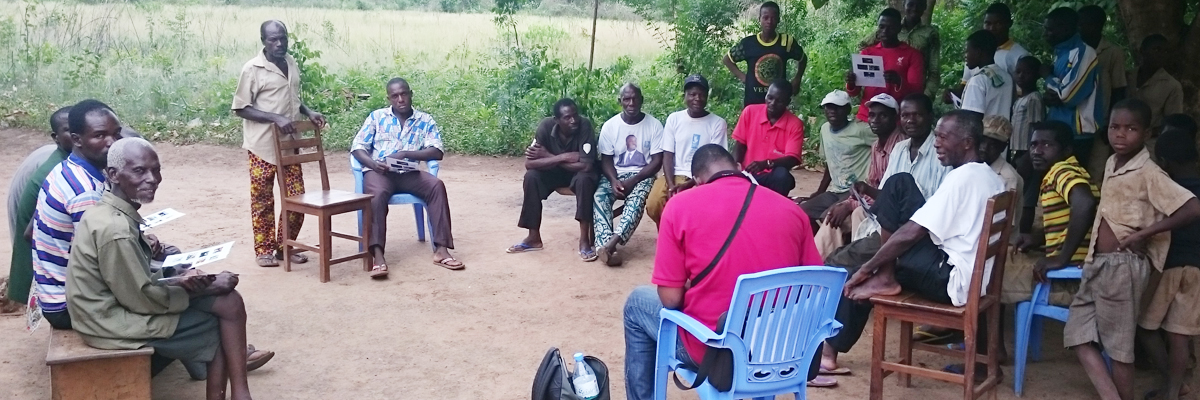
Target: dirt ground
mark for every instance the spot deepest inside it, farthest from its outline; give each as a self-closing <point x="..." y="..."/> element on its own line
<point x="429" y="332"/>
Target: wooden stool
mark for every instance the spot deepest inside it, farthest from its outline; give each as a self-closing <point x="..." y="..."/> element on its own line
<point x="79" y="371"/>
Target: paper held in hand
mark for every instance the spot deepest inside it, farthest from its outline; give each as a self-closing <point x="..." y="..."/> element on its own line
<point x="868" y="70"/>
<point x="401" y="166"/>
<point x="199" y="257"/>
<point x="159" y="218"/>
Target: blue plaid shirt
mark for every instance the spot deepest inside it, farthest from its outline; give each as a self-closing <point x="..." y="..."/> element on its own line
<point x="384" y="134"/>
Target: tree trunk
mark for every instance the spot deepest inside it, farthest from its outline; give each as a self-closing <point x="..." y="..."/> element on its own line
<point x="1146" y="17"/>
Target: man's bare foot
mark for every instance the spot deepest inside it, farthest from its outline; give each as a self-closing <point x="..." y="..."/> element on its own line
<point x="877" y="285"/>
<point x="856" y="279"/>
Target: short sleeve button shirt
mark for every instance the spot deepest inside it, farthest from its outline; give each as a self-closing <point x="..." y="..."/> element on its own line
<point x="384" y="134"/>
<point x="265" y="87"/>
<point x="1134" y="197"/>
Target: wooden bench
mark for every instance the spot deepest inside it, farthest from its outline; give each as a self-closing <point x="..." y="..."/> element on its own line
<point x="79" y="371"/>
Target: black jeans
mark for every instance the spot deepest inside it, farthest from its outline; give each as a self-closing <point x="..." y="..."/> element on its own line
<point x="922" y="269"/>
<point x="778" y="179"/>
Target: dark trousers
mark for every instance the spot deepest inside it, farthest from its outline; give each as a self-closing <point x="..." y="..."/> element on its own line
<point x="921" y="269"/>
<point x="816" y="206"/>
<point x="540" y="183"/>
<point x="778" y="179"/>
<point x="421" y="184"/>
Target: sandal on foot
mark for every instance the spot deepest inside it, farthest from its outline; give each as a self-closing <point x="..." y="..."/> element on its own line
<point x="266" y="261"/>
<point x="588" y="255"/>
<point x="823" y="382"/>
<point x="297" y="258"/>
<point x="379" y="271"/>
<point x="450" y="263"/>
<point x="521" y="248"/>
<point x="835" y="371"/>
<point x="255" y="358"/>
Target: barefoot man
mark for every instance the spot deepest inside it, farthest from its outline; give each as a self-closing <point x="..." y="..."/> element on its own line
<point x="929" y="246"/>
<point x="268" y="96"/>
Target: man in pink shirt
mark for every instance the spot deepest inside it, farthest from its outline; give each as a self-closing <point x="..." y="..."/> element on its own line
<point x="768" y="140"/>
<point x="903" y="65"/>
<point x="774" y="234"/>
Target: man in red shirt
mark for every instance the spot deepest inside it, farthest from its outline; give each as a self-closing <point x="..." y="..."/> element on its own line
<point x="768" y="140"/>
<point x="903" y="65"/>
<point x="774" y="234"/>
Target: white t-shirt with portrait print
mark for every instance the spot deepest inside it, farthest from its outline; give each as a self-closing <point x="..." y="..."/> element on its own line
<point x="683" y="134"/>
<point x="630" y="145"/>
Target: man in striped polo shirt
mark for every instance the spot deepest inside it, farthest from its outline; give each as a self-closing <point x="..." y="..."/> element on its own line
<point x="70" y="188"/>
<point x="1067" y="197"/>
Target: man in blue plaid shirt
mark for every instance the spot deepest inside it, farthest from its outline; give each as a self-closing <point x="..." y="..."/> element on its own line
<point x="404" y="133"/>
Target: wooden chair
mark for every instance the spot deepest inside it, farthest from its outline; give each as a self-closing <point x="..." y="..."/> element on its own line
<point x="910" y="308"/>
<point x="297" y="150"/>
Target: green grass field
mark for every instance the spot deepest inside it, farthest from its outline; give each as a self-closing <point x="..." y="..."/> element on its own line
<point x="170" y="70"/>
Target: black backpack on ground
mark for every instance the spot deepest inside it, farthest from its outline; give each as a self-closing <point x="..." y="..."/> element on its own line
<point x="553" y="381"/>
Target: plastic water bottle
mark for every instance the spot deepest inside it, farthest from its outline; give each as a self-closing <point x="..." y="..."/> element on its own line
<point x="584" y="379"/>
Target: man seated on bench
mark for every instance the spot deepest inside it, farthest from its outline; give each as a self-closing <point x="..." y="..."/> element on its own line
<point x="117" y="303"/>
<point x="928" y="246"/>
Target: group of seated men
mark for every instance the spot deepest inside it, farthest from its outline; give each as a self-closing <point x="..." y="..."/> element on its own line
<point x="631" y="149"/>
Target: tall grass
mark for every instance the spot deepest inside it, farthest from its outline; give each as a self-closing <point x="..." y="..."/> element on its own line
<point x="170" y="70"/>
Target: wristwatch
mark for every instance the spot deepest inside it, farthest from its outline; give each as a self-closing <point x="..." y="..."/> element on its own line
<point x="770" y="164"/>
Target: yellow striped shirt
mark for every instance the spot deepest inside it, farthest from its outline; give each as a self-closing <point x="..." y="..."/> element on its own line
<point x="1056" y="207"/>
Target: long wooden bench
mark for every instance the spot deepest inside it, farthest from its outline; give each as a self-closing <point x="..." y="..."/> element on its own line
<point x="79" y="371"/>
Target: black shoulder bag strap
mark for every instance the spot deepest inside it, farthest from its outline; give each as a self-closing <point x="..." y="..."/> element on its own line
<point x="718" y="362"/>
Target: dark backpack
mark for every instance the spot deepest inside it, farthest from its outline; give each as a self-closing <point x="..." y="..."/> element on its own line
<point x="553" y="381"/>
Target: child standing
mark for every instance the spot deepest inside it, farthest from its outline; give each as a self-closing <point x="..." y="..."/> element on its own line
<point x="1139" y="203"/>
<point x="1175" y="305"/>
<point x="1028" y="108"/>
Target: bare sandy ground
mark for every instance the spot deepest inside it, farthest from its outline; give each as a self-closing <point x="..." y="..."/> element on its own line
<point x="427" y="332"/>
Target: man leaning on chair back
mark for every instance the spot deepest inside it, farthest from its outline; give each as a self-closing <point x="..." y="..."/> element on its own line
<point x="774" y="234"/>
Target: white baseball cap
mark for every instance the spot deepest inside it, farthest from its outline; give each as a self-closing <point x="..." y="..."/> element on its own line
<point x="885" y="99"/>
<point x="837" y="98"/>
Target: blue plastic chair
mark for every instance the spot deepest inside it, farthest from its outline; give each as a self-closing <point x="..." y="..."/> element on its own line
<point x="1029" y="329"/>
<point x="776" y="322"/>
<point x="398" y="198"/>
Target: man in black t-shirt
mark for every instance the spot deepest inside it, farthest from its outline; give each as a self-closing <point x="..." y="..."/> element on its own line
<point x="766" y="55"/>
<point x="562" y="155"/>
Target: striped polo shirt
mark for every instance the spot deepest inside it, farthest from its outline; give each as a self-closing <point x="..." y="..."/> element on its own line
<point x="71" y="188"/>
<point x="1056" y="207"/>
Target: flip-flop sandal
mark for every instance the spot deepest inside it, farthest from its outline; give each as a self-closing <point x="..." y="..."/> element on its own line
<point x="297" y="258"/>
<point x="837" y="371"/>
<point x="521" y="248"/>
<point x="588" y="255"/>
<point x="255" y="358"/>
<point x="379" y="271"/>
<point x="823" y="382"/>
<point x="266" y="261"/>
<point x="446" y="263"/>
<point x="923" y="336"/>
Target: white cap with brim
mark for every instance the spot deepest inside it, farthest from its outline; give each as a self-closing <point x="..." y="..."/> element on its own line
<point x="837" y="98"/>
<point x="885" y="99"/>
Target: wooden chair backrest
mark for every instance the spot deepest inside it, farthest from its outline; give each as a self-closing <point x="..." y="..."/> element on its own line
<point x="298" y="149"/>
<point x="993" y="245"/>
